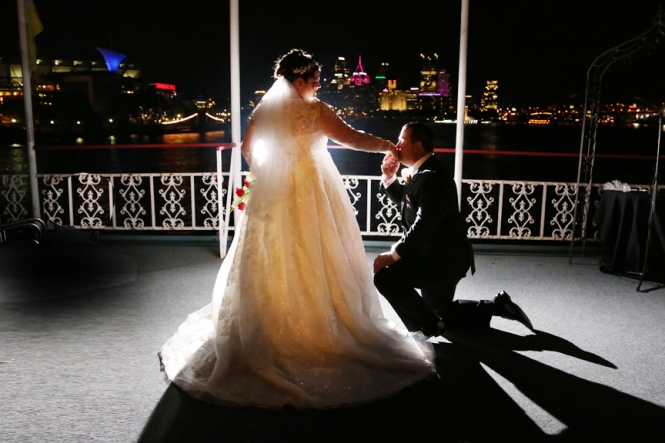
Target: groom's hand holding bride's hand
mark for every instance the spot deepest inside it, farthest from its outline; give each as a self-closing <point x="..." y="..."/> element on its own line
<point x="383" y="260"/>
<point x="389" y="166"/>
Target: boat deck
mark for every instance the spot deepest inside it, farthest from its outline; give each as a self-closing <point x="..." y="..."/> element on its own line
<point x="81" y="324"/>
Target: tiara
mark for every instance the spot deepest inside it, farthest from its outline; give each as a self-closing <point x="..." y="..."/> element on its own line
<point x="304" y="69"/>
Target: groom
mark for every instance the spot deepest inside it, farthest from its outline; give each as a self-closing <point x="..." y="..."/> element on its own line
<point x="434" y="253"/>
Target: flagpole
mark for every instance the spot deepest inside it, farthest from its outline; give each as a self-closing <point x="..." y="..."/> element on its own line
<point x="27" y="99"/>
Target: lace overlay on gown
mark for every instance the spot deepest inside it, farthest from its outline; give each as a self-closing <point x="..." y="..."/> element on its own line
<point x="295" y="318"/>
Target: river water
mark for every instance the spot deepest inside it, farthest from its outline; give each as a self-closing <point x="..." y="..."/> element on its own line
<point x="490" y="138"/>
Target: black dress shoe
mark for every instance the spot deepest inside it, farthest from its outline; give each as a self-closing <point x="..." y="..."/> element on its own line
<point x="433" y="331"/>
<point x="505" y="308"/>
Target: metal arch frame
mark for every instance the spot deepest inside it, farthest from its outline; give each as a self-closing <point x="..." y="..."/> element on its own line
<point x="654" y="198"/>
<point x="636" y="46"/>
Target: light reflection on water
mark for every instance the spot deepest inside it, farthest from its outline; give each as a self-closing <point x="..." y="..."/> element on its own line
<point x="18" y="161"/>
<point x="490" y="138"/>
<point x="174" y="138"/>
<point x="206" y="137"/>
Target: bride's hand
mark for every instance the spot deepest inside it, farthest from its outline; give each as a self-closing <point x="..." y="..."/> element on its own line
<point x="393" y="151"/>
<point x="389" y="165"/>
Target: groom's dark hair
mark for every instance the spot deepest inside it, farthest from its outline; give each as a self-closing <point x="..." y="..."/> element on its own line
<point x="422" y="133"/>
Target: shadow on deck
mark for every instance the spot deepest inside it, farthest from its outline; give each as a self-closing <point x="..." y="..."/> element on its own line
<point x="81" y="325"/>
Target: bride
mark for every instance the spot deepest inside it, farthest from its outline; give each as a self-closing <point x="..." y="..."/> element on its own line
<point x="295" y="318"/>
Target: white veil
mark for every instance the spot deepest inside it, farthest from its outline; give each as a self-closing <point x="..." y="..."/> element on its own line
<point x="272" y="138"/>
<point x="271" y="164"/>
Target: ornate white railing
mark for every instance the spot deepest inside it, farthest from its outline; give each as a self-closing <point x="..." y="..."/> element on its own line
<point x="493" y="209"/>
<point x="184" y="201"/>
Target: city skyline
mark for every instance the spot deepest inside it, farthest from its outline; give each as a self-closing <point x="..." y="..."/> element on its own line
<point x="539" y="54"/>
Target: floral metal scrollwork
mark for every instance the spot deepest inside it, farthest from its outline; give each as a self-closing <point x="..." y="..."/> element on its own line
<point x="351" y="184"/>
<point x="90" y="207"/>
<point x="14" y="209"/>
<point x="564" y="205"/>
<point x="51" y="204"/>
<point x="172" y="208"/>
<point x="389" y="214"/>
<point x="212" y="206"/>
<point x="480" y="202"/>
<point x="522" y="204"/>
<point x="132" y="195"/>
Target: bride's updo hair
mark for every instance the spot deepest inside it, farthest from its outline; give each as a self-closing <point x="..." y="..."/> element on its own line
<point x="294" y="64"/>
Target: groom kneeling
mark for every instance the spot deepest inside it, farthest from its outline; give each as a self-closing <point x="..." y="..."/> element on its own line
<point x="434" y="253"/>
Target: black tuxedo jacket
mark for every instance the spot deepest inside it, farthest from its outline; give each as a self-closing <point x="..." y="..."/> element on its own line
<point x="434" y="240"/>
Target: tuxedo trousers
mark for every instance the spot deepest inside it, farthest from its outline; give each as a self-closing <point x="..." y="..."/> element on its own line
<point x="398" y="283"/>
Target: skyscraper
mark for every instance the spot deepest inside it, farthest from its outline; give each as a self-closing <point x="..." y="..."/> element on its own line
<point x="490" y="98"/>
<point x="428" y="74"/>
<point x="385" y="79"/>
<point x="359" y="76"/>
<point x="443" y="86"/>
<point x="341" y="74"/>
<point x="435" y="89"/>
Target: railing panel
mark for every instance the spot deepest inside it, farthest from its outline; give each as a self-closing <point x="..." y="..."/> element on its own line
<point x="385" y="215"/>
<point x="15" y="189"/>
<point x="481" y="209"/>
<point x="207" y="201"/>
<point x="54" y="191"/>
<point x="560" y="200"/>
<point x="92" y="201"/>
<point x="172" y="201"/>
<point x="132" y="202"/>
<point x="492" y="209"/>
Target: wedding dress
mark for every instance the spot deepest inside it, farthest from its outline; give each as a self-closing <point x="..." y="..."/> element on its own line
<point x="295" y="318"/>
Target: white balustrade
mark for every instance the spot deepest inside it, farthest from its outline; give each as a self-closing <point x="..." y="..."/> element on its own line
<point x="492" y="209"/>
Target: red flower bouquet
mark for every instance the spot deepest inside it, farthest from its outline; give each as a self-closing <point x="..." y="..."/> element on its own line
<point x="242" y="194"/>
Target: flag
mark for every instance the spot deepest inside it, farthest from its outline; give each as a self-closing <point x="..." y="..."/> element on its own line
<point x="34" y="28"/>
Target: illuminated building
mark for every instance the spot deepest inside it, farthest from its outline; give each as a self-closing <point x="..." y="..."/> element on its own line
<point x="112" y="58"/>
<point x="412" y="99"/>
<point x="468" y="102"/>
<point x="399" y="100"/>
<point x="359" y="77"/>
<point x="428" y="74"/>
<point x="392" y="100"/>
<point x="443" y="83"/>
<point x="165" y="89"/>
<point x="384" y="78"/>
<point x="490" y="98"/>
<point x="341" y="71"/>
<point x="79" y="95"/>
<point x="205" y="104"/>
<point x="540" y="118"/>
<point x="435" y="90"/>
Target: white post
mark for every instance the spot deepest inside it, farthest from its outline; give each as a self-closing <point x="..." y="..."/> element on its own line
<point x="27" y="100"/>
<point x="236" y="118"/>
<point x="461" y="96"/>
<point x="223" y="223"/>
<point x="235" y="166"/>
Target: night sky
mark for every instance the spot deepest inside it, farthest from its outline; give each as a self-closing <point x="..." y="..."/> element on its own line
<point x="538" y="51"/>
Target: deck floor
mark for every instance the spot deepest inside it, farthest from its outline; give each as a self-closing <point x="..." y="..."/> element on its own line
<point x="81" y="324"/>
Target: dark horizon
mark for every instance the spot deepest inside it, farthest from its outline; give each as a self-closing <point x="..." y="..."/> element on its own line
<point x="539" y="53"/>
